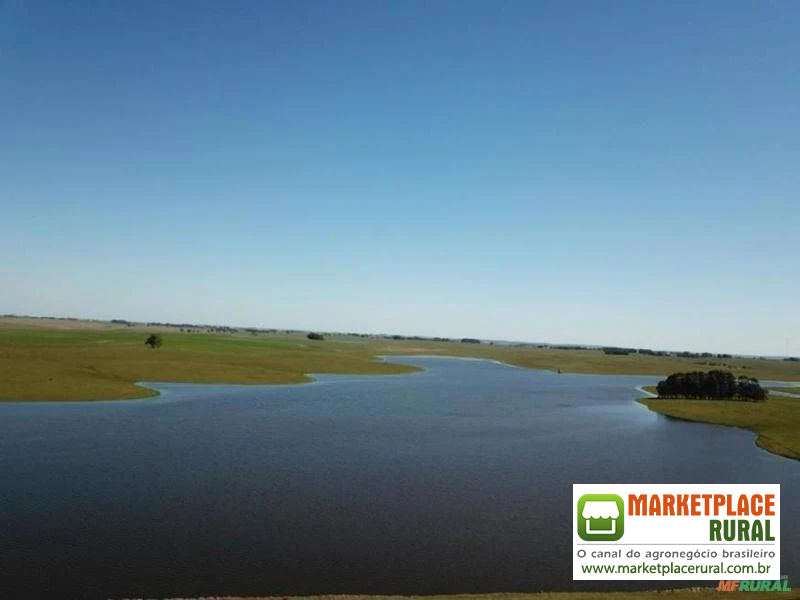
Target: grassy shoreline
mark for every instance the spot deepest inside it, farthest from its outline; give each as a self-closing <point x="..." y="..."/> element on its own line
<point x="776" y="421"/>
<point x="793" y="391"/>
<point x="52" y="360"/>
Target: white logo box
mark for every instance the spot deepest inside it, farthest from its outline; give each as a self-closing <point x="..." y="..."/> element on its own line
<point x="666" y="536"/>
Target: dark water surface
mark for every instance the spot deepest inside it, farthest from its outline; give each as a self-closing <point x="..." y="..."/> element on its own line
<point x="456" y="479"/>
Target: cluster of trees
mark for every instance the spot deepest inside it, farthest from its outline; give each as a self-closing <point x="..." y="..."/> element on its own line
<point x="315" y="336"/>
<point x="711" y="385"/>
<point x="420" y="338"/>
<point x="649" y="352"/>
<point x="618" y="351"/>
<point x="470" y="341"/>
<point x="686" y="354"/>
<point x="193" y="327"/>
<point x="160" y="324"/>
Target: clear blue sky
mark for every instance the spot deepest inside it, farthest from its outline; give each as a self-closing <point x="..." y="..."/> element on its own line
<point x="588" y="172"/>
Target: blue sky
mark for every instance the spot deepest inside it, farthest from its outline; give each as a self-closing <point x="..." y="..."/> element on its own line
<point x="586" y="172"/>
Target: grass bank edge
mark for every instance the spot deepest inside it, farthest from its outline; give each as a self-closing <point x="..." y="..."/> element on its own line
<point x="775" y="422"/>
<point x="142" y="390"/>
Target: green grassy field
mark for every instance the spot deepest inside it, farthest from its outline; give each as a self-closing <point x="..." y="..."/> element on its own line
<point x="98" y="365"/>
<point x="776" y="421"/>
<point x="695" y="594"/>
<point x="75" y="360"/>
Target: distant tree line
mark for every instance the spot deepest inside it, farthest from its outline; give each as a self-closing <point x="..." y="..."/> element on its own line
<point x="470" y="341"/>
<point x="618" y="351"/>
<point x="711" y="385"/>
<point x="615" y="350"/>
<point x="563" y="347"/>
<point x="649" y="352"/>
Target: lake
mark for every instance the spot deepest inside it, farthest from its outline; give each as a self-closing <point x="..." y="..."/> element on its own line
<point x="454" y="479"/>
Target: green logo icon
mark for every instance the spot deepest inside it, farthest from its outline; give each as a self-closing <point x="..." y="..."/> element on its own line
<point x="601" y="517"/>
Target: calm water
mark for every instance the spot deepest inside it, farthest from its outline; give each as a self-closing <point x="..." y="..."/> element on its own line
<point x="456" y="479"/>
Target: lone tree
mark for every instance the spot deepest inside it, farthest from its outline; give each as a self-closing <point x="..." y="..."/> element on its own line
<point x="315" y="336"/>
<point x="154" y="341"/>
